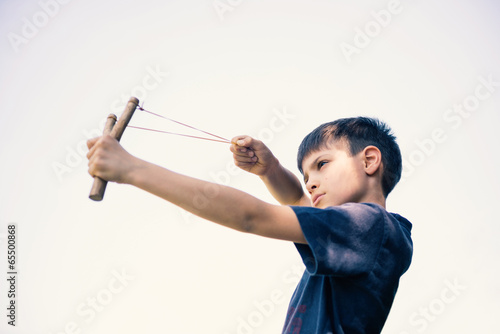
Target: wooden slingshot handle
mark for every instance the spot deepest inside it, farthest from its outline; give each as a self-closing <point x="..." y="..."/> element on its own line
<point x="99" y="185"/>
<point x="115" y="131"/>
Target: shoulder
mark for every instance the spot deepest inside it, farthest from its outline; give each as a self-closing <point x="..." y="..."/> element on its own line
<point x="353" y="214"/>
<point x="342" y="240"/>
<point x="352" y="221"/>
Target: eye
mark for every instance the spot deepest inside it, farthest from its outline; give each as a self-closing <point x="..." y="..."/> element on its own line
<point x="322" y="163"/>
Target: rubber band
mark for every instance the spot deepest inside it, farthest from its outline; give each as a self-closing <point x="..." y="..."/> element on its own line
<point x="224" y="140"/>
<point x="180" y="134"/>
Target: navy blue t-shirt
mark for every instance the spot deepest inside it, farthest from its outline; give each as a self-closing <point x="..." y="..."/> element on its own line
<point x="355" y="255"/>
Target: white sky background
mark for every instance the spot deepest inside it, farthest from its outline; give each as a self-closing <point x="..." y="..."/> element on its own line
<point x="232" y="73"/>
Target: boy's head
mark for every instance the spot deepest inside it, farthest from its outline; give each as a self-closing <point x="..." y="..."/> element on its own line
<point x="357" y="137"/>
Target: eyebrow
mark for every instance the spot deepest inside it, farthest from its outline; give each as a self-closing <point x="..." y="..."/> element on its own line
<point x="314" y="164"/>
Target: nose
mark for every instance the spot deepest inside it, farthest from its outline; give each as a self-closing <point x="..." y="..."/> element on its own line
<point x="312" y="184"/>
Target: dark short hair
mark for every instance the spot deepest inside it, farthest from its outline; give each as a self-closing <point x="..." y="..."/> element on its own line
<point x="358" y="133"/>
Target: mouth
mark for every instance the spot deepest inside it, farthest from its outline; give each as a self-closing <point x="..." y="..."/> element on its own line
<point x="317" y="198"/>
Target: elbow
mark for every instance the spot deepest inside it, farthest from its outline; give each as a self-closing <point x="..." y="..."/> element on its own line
<point x="248" y="224"/>
<point x="254" y="217"/>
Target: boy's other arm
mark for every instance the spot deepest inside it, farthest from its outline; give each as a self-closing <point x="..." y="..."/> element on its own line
<point x="254" y="156"/>
<point x="221" y="204"/>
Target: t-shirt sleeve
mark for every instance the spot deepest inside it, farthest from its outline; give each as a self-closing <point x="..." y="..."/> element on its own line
<point x="342" y="240"/>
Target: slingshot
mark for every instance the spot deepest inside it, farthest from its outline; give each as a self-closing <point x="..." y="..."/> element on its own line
<point x="115" y="128"/>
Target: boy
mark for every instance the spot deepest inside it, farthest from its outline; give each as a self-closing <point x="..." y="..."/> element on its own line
<point x="353" y="249"/>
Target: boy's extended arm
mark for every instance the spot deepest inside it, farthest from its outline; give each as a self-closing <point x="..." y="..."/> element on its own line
<point x="255" y="157"/>
<point x="221" y="204"/>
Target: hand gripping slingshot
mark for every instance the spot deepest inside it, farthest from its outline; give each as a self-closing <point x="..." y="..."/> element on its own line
<point x="115" y="131"/>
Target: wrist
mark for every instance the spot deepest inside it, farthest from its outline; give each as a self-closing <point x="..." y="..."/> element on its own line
<point x="133" y="174"/>
<point x="273" y="169"/>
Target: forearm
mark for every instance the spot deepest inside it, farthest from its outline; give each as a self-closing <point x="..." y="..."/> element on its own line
<point x="284" y="186"/>
<point x="221" y="204"/>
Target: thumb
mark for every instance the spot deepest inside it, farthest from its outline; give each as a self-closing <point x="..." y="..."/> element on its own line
<point x="243" y="141"/>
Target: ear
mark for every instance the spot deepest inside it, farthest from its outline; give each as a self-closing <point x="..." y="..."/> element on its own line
<point x="372" y="159"/>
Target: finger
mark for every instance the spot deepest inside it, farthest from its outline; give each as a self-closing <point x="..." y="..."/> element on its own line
<point x="91" y="142"/>
<point x="244" y="165"/>
<point x="236" y="149"/>
<point x="92" y="148"/>
<point x="92" y="166"/>
<point x="240" y="153"/>
<point x="97" y="143"/>
<point x="245" y="160"/>
<point x="251" y="143"/>
<point x="242" y="141"/>
<point x="236" y="138"/>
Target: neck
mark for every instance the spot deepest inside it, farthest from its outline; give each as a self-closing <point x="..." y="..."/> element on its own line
<point x="377" y="198"/>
